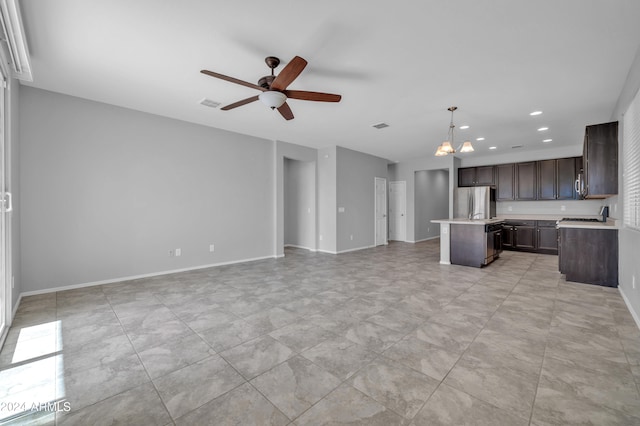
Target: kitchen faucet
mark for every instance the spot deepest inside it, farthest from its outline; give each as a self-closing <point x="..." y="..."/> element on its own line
<point x="473" y="216"/>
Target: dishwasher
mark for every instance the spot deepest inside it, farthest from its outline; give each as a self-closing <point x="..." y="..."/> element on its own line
<point x="493" y="234"/>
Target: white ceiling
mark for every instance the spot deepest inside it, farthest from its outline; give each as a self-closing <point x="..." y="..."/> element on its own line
<point x="402" y="62"/>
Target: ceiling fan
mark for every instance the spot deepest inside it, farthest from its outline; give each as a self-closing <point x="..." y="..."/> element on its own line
<point x="274" y="88"/>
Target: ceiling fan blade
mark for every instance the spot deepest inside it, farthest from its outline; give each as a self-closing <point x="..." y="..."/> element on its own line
<point x="286" y="111"/>
<point x="232" y="80"/>
<point x="239" y="103"/>
<point x="312" y="96"/>
<point x="289" y="73"/>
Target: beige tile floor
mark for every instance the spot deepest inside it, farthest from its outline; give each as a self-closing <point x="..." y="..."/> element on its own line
<point x="381" y="336"/>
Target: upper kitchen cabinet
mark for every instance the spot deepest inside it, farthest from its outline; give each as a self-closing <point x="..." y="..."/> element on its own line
<point x="526" y="181"/>
<point x="568" y="169"/>
<point x="476" y="176"/>
<point x="600" y="160"/>
<point x="557" y="178"/>
<point x="505" y="178"/>
<point x="548" y="179"/>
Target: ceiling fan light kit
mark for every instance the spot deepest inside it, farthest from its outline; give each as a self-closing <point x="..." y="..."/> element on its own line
<point x="272" y="98"/>
<point x="446" y="147"/>
<point x="274" y="88"/>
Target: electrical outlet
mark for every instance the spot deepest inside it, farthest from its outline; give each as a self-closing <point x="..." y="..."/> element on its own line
<point x="633" y="282"/>
<point x="212" y="248"/>
<point x="178" y="252"/>
<point x="320" y="237"/>
<point x="563" y="208"/>
<point x="340" y="209"/>
<point x="510" y="208"/>
<point x="351" y="237"/>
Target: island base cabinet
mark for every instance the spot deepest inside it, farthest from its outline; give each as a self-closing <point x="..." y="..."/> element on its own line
<point x="468" y="245"/>
<point x="589" y="256"/>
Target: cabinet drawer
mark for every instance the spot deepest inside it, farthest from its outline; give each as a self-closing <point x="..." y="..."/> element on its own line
<point x="547" y="223"/>
<point x="521" y="223"/>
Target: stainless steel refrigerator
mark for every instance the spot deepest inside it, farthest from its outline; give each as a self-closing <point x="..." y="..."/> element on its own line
<point x="475" y="202"/>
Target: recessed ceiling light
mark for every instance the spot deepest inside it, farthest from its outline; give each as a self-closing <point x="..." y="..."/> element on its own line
<point x="542" y="129"/>
<point x="479" y="139"/>
<point x="535" y="113"/>
<point x="547" y="140"/>
<point x="493" y="147"/>
<point x="465" y="127"/>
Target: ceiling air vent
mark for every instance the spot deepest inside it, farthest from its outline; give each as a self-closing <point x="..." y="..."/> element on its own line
<point x="516" y="146"/>
<point x="209" y="103"/>
<point x="380" y="125"/>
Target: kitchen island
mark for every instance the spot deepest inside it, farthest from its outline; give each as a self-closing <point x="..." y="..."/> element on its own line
<point x="466" y="242"/>
<point x="588" y="252"/>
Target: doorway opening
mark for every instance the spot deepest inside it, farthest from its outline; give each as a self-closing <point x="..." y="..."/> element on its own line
<point x="431" y="202"/>
<point x="299" y="199"/>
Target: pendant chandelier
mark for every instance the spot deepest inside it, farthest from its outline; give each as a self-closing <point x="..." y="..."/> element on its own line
<point x="447" y="146"/>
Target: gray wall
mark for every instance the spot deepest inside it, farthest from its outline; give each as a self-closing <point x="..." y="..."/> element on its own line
<point x="107" y="192"/>
<point x="431" y="202"/>
<point x="14" y="186"/>
<point x="629" y="240"/>
<point x="406" y="172"/>
<point x="327" y="219"/>
<point x="356" y="194"/>
<point x="300" y="204"/>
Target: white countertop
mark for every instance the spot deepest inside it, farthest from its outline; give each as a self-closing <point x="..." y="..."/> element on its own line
<point x="463" y="221"/>
<point x="609" y="224"/>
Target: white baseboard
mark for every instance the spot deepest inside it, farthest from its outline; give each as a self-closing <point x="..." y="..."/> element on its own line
<point x="135" y="277"/>
<point x="300" y="247"/>
<point x="355" y="249"/>
<point x="633" y="313"/>
<point x="345" y="251"/>
<point x="425" y="239"/>
<point x="326" y="251"/>
<point x="442" y="262"/>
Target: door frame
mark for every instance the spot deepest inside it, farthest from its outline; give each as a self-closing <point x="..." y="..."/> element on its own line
<point x="403" y="183"/>
<point x="6" y="273"/>
<point x="375" y="213"/>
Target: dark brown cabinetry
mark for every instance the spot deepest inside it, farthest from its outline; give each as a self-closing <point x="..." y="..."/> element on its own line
<point x="557" y="178"/>
<point x="600" y="157"/>
<point x="476" y="176"/>
<point x="547" y="237"/>
<point x="567" y="173"/>
<point x="548" y="180"/>
<point x="521" y="235"/>
<point x="538" y="236"/>
<point x="526" y="181"/>
<point x="553" y="179"/>
<point x="505" y="178"/>
<point x="589" y="255"/>
<point x="508" y="237"/>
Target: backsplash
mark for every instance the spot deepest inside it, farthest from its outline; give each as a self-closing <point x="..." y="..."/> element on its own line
<point x="568" y="207"/>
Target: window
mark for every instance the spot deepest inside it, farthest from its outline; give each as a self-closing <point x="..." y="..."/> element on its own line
<point x="631" y="164"/>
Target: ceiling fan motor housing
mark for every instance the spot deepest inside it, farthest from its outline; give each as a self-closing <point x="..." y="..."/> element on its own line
<point x="266" y="81"/>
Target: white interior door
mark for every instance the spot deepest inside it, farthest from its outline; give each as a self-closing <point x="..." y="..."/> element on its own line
<point x="398" y="211"/>
<point x="381" y="211"/>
